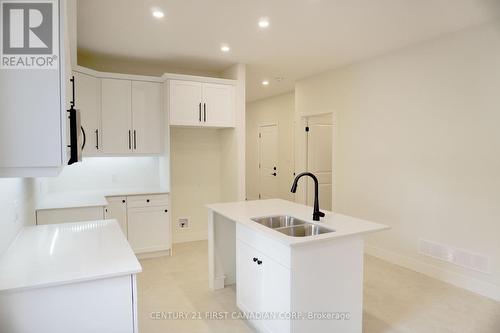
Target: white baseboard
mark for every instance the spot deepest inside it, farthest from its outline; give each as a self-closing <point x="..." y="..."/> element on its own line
<point x="471" y="284"/>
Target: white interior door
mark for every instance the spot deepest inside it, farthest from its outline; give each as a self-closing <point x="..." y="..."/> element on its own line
<point x="146" y="117"/>
<point x="116" y="116"/>
<point x="268" y="161"/>
<point x="319" y="159"/>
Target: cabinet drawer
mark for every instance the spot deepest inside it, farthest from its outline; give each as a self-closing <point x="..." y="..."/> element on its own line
<point x="152" y="200"/>
<point x="275" y="250"/>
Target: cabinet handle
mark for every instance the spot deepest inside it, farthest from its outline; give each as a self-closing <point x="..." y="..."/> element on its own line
<point x="259" y="262"/>
<point x="123" y="201"/>
<point x="96" y="139"/>
<point x="255" y="259"/>
<point x="205" y="112"/>
<point x="129" y="141"/>
<point x="135" y="140"/>
<point x="166" y="210"/>
<point x="147" y="200"/>
<point x="199" y="112"/>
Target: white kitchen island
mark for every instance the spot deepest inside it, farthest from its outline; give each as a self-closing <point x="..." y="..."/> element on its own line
<point x="285" y="283"/>
<point x="70" y="277"/>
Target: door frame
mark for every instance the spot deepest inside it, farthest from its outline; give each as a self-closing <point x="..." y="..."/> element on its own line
<point x="259" y="125"/>
<point x="302" y="156"/>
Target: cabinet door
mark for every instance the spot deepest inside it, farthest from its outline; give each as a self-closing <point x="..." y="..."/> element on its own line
<point x="148" y="229"/>
<point x="117" y="210"/>
<point x="218" y="105"/>
<point x="116" y="116"/>
<point x="146" y="117"/>
<point x="248" y="278"/>
<point x="87" y="100"/>
<point x="275" y="294"/>
<point x="185" y="102"/>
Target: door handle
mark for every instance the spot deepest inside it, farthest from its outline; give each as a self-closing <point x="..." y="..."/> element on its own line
<point x="199" y="112"/>
<point x="96" y="139"/>
<point x="135" y="140"/>
<point x="274" y="174"/>
<point x="205" y="112"/>
<point x="129" y="141"/>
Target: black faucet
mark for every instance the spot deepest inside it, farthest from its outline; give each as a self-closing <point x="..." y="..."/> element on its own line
<point x="316" y="213"/>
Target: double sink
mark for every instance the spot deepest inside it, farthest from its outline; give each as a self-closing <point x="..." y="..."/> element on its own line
<point x="292" y="226"/>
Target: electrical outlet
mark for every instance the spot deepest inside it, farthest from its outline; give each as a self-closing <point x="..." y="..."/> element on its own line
<point x="183" y="223"/>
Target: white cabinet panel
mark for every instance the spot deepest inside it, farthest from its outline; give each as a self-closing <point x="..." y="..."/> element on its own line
<point x="185" y="103"/>
<point x="87" y="100"/>
<point x="262" y="286"/>
<point x="116" y="103"/>
<point x="218" y="105"/>
<point x="150" y="200"/>
<point x="66" y="215"/>
<point x="117" y="210"/>
<point x="149" y="229"/>
<point x="146" y="117"/>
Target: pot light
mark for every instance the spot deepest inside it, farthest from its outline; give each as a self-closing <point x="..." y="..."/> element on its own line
<point x="225" y="48"/>
<point x="158" y="14"/>
<point x="265" y="83"/>
<point x="263" y="23"/>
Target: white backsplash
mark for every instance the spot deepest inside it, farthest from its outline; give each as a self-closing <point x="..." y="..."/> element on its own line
<point x="17" y="200"/>
<point x="107" y="173"/>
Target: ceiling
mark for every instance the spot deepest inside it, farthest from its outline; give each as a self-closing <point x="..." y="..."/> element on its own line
<point x="305" y="37"/>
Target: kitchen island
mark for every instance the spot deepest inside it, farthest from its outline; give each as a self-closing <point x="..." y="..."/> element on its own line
<point x="292" y="274"/>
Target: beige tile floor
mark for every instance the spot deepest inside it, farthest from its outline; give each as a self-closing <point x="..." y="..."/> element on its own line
<point x="396" y="300"/>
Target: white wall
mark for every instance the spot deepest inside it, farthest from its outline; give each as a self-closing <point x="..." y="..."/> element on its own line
<point x="275" y="110"/>
<point x="17" y="200"/>
<point x="196" y="179"/>
<point x="417" y="147"/>
<point x="107" y="173"/>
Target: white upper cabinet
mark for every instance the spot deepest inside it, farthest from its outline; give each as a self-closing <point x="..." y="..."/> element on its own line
<point x="33" y="112"/>
<point x="193" y="103"/>
<point x="88" y="101"/>
<point x="218" y="105"/>
<point x="116" y="103"/>
<point x="185" y="103"/>
<point x="146" y="117"/>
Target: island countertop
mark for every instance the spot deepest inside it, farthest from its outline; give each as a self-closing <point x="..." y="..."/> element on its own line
<point x="343" y="225"/>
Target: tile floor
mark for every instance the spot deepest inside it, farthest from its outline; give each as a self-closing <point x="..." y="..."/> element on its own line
<point x="397" y="300"/>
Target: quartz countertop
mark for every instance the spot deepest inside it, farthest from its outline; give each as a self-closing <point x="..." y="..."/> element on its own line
<point x="243" y="212"/>
<point x="49" y="255"/>
<point x="61" y="200"/>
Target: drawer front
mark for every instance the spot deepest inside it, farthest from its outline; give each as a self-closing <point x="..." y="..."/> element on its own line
<point x="153" y="200"/>
<point x="273" y="249"/>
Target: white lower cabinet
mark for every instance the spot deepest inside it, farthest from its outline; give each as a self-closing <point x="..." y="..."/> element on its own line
<point x="66" y="215"/>
<point x="148" y="229"/>
<point x="263" y="288"/>
<point x="117" y="210"/>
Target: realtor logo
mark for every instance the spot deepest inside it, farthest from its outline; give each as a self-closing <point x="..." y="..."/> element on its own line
<point x="29" y="35"/>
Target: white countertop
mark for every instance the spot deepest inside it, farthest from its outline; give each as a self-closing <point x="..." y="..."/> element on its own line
<point x="61" y="200"/>
<point x="65" y="253"/>
<point x="242" y="212"/>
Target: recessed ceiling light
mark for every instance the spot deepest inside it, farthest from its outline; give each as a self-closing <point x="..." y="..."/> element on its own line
<point x="158" y="14"/>
<point x="225" y="48"/>
<point x="263" y="23"/>
<point x="265" y="83"/>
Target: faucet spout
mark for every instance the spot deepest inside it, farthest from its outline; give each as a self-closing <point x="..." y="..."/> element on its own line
<point x="317" y="214"/>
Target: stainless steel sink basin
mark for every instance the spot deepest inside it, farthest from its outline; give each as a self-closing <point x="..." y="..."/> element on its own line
<point x="308" y="229"/>
<point x="292" y="226"/>
<point x="279" y="221"/>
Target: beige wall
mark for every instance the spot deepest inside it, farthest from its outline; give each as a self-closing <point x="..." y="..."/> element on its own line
<point x="196" y="179"/>
<point x="275" y="110"/>
<point x="417" y="147"/>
